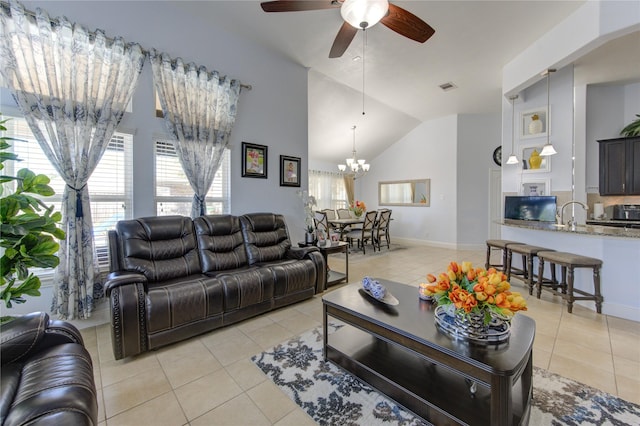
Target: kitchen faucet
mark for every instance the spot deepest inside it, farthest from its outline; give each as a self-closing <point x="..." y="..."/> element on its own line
<point x="572" y="222"/>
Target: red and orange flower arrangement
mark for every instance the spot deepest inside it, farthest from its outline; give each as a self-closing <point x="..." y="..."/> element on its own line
<point x="474" y="291"/>
<point x="358" y="207"/>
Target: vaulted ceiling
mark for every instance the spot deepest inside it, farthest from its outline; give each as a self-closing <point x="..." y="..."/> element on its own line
<point x="472" y="43"/>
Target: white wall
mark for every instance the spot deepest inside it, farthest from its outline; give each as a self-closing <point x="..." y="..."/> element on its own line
<point x="274" y="113"/>
<point x="478" y="136"/>
<point x="429" y="151"/>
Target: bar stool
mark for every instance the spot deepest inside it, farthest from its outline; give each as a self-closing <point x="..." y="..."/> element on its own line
<point x="499" y="245"/>
<point x="568" y="262"/>
<point x="528" y="253"/>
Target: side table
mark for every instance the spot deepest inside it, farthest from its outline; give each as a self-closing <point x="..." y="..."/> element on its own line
<point x="334" y="277"/>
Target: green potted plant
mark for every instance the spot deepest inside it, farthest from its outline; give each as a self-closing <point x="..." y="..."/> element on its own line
<point x="28" y="231"/>
<point x="632" y="129"/>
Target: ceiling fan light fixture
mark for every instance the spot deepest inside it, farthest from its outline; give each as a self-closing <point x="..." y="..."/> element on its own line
<point x="363" y="13"/>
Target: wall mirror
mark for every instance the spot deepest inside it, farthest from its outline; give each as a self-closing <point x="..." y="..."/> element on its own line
<point x="414" y="192"/>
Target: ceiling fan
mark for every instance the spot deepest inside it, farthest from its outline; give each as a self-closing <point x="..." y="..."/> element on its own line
<point x="359" y="14"/>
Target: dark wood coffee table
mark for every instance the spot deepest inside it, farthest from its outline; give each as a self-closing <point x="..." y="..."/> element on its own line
<point x="400" y="351"/>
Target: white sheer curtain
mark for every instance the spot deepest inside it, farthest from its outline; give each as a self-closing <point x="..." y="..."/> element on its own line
<point x="328" y="189"/>
<point x="199" y="111"/>
<point x="72" y="88"/>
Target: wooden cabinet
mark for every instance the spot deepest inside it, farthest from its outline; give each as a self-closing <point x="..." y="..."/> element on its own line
<point x="620" y="166"/>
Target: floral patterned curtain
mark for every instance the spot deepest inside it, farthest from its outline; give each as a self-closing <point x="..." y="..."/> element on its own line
<point x="72" y="87"/>
<point x="199" y="111"/>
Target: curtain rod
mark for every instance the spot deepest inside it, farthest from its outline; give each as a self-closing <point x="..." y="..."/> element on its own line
<point x="6" y="5"/>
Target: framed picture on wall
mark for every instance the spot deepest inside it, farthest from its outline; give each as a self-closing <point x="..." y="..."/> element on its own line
<point x="532" y="161"/>
<point x="289" y="171"/>
<point x="534" y="123"/>
<point x="535" y="187"/>
<point x="254" y="160"/>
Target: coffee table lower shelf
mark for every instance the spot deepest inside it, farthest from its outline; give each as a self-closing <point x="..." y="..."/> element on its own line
<point x="432" y="391"/>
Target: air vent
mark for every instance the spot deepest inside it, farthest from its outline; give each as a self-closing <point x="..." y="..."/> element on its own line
<point x="448" y="86"/>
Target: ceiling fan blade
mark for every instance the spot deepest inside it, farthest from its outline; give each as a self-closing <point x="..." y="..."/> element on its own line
<point x="407" y="24"/>
<point x="343" y="40"/>
<point x="298" y="5"/>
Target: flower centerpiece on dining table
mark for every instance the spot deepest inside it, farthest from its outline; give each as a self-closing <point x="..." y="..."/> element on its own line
<point x="474" y="297"/>
<point x="358" y="207"/>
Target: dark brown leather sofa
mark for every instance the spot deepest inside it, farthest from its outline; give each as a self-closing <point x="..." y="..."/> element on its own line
<point x="47" y="374"/>
<point x="173" y="277"/>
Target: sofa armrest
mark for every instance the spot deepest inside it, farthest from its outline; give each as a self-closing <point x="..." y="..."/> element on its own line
<point x="312" y="253"/>
<point x="29" y="334"/>
<point x="120" y="278"/>
<point x="128" y="308"/>
<point x="300" y="252"/>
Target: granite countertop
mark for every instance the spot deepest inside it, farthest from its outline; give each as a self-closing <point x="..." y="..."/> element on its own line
<point x="602" y="230"/>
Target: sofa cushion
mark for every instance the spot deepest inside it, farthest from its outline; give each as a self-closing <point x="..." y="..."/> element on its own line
<point x="292" y="276"/>
<point x="220" y="243"/>
<point x="246" y="288"/>
<point x="161" y="247"/>
<point x="265" y="236"/>
<point x="180" y="301"/>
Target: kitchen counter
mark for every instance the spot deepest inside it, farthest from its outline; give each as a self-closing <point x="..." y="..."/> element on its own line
<point x="618" y="248"/>
<point x="602" y="228"/>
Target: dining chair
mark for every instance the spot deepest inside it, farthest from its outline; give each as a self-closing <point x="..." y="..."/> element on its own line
<point x="344" y="214"/>
<point x="331" y="214"/>
<point x="366" y="233"/>
<point x="382" y="228"/>
<point x="321" y="223"/>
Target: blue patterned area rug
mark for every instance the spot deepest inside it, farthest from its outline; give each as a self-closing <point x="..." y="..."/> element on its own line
<point x="332" y="396"/>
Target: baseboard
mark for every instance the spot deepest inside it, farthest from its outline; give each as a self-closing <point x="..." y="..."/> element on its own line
<point x="439" y="244"/>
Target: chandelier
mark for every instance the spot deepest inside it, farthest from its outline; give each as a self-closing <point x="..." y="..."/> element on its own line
<point x="357" y="167"/>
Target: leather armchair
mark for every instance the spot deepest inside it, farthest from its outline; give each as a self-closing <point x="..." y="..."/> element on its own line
<point x="47" y="374"/>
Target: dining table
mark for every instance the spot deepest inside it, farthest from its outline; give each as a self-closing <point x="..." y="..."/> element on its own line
<point x="342" y="224"/>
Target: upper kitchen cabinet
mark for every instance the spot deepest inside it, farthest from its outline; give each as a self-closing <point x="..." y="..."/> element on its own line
<point x="620" y="166"/>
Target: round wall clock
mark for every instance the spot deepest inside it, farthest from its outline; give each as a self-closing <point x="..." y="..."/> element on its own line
<point x="497" y="155"/>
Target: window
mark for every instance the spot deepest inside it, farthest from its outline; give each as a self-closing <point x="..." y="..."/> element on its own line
<point x="109" y="185"/>
<point x="328" y="189"/>
<point x="173" y="191"/>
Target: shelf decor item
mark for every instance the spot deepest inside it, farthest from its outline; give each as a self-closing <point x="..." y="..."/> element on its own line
<point x="358" y="208"/>
<point x="475" y="304"/>
<point x="535" y="126"/>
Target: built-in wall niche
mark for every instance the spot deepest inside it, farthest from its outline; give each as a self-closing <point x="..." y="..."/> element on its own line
<point x="414" y="192"/>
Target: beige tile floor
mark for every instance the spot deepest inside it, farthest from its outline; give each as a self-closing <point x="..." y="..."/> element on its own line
<point x="210" y="379"/>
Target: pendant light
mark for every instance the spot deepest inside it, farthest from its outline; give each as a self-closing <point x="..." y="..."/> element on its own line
<point x="512" y="158"/>
<point x="548" y="148"/>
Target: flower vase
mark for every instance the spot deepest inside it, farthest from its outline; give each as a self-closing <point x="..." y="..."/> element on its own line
<point x="535" y="160"/>
<point x="309" y="238"/>
<point x="471" y="325"/>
